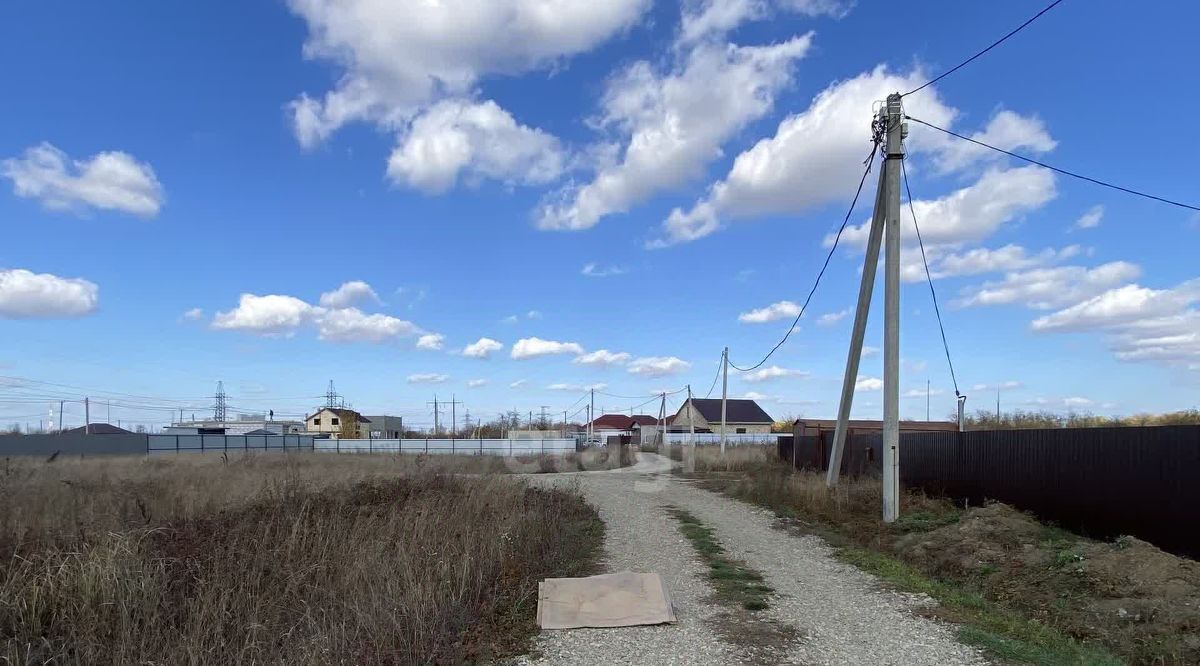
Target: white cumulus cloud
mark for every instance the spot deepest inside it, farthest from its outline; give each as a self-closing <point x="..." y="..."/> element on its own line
<point x="770" y="373"/>
<point x="702" y="19"/>
<point x="1090" y="219"/>
<point x="108" y="181"/>
<point x="972" y="213"/>
<point x="482" y="348"/>
<point x="658" y="366"/>
<point x="1006" y="130"/>
<point x="431" y="341"/>
<point x="1048" y="288"/>
<point x="814" y="157"/>
<point x="28" y="295"/>
<point x="602" y="358"/>
<point x="671" y="124"/>
<point x="987" y="260"/>
<point x="576" y="388"/>
<point x="412" y="66"/>
<point x="277" y="315"/>
<point x="1130" y="304"/>
<point x="476" y="383"/>
<point x="348" y="294"/>
<point x="593" y="269"/>
<point x="353" y="325"/>
<point x="271" y="315"/>
<point x="864" y="384"/>
<point x="535" y="347"/>
<point x="427" y="378"/>
<point x="475" y="141"/>
<point x="772" y="312"/>
<point x="831" y="318"/>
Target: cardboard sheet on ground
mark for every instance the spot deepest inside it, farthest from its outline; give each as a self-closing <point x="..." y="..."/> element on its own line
<point x="622" y="599"/>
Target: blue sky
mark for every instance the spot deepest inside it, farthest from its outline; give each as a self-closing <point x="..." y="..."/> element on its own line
<point x="460" y="166"/>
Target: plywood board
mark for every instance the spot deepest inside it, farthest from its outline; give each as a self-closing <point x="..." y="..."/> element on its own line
<point x="622" y="599"/>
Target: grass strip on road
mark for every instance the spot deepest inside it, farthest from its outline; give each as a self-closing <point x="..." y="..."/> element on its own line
<point x="733" y="581"/>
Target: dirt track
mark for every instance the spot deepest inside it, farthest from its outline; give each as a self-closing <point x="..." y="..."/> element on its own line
<point x="824" y="612"/>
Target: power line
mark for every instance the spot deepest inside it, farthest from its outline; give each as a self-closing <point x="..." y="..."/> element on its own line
<point x="929" y="278"/>
<point x="989" y="48"/>
<point x="869" y="162"/>
<point x="715" y="378"/>
<point x="1054" y="168"/>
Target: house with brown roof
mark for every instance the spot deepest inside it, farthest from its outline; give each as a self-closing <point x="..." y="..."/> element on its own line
<point x="335" y="421"/>
<point x="704" y="414"/>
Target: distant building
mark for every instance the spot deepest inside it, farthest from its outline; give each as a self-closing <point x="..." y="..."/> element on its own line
<point x="612" y="424"/>
<point x="333" y="421"/>
<point x="741" y="416"/>
<point x="383" y="427"/>
<point x="98" y="429"/>
<point x="242" y="426"/>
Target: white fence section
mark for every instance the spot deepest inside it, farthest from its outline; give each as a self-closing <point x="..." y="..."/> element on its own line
<point x="495" y="447"/>
<point x="731" y="439"/>
<point x="220" y="443"/>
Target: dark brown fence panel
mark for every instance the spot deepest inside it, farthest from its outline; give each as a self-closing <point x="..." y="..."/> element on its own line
<point x="1100" y="481"/>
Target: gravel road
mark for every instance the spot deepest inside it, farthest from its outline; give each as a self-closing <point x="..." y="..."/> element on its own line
<point x="825" y="612"/>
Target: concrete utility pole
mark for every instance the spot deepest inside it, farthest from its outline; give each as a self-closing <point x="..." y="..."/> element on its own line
<point x="866" y="288"/>
<point x="891" y="311"/>
<point x="962" y="414"/>
<point x="691" y="421"/>
<point x="724" y="393"/>
<point x="662" y="423"/>
<point x="885" y="228"/>
<point x="87" y="417"/>
<point x="591" y="416"/>
<point x="60" y="416"/>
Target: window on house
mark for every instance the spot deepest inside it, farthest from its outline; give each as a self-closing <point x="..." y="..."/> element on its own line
<point x="333" y="421"/>
<point x="741" y="431"/>
<point x="316" y="421"/>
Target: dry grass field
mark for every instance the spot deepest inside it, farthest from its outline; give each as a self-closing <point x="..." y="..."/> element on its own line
<point x="299" y="559"/>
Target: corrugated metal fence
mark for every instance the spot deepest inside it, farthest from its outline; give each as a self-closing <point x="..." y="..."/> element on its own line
<point x="495" y="447"/>
<point x="1143" y="481"/>
<point x="214" y="443"/>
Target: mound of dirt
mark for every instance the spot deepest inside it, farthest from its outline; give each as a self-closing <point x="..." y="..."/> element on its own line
<point x="1123" y="593"/>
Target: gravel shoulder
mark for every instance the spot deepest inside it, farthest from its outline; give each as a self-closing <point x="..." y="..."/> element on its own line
<point x="840" y="615"/>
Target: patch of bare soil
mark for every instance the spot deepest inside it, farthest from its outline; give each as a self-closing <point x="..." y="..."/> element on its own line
<point x="1126" y="593"/>
<point x="764" y="640"/>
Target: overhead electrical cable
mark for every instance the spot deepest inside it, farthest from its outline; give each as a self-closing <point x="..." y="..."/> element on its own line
<point x="929" y="277"/>
<point x="989" y="48"/>
<point x="1054" y="168"/>
<point x="816" y="283"/>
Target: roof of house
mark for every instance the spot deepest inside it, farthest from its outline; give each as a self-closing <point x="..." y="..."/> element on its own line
<point x="99" y="429"/>
<point x="613" y="422"/>
<point x="262" y="431"/>
<point x="341" y="413"/>
<point x="736" y="411"/>
<point x="644" y="419"/>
